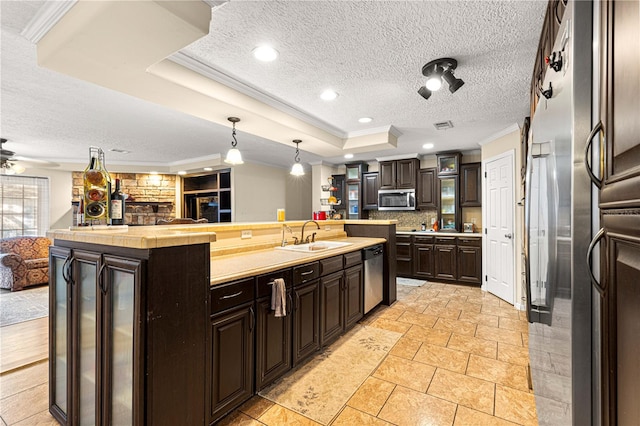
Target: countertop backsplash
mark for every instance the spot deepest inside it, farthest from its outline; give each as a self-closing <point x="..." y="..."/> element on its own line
<point x="413" y="219"/>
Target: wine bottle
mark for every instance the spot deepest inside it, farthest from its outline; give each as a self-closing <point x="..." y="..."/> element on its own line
<point x="117" y="205"/>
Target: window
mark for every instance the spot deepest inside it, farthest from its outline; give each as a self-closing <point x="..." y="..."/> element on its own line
<point x="25" y="206"/>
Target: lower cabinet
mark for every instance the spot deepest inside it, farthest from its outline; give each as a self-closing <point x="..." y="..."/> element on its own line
<point x="232" y="348"/>
<point x="446" y="258"/>
<point x="342" y="302"/>
<point x="354" y="295"/>
<point x="306" y="320"/>
<point x="404" y="256"/>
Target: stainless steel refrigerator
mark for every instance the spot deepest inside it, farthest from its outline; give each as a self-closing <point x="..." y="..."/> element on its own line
<point x="558" y="217"/>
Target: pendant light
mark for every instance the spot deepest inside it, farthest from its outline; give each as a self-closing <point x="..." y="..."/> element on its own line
<point x="233" y="155"/>
<point x="297" y="169"/>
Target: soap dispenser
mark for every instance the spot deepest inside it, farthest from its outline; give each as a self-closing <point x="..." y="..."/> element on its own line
<point x="423" y="227"/>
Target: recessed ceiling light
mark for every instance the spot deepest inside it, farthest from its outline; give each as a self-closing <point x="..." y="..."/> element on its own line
<point x="348" y="156"/>
<point x="182" y="172"/>
<point x="153" y="172"/>
<point x="208" y="169"/>
<point x="328" y="95"/>
<point x="265" y="53"/>
<point x="427" y="146"/>
<point x="365" y="120"/>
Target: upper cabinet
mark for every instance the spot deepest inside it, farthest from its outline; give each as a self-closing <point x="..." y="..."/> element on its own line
<point x="471" y="187"/>
<point x="448" y="164"/>
<point x="355" y="170"/>
<point x="399" y="174"/>
<point x="426" y="191"/>
<point x="449" y="216"/>
<point x="354" y="190"/>
<point x="370" y="191"/>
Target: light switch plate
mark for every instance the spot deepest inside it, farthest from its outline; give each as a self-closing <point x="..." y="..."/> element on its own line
<point x="246" y="234"/>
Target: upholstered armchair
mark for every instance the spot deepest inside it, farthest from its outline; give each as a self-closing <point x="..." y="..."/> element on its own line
<point x="24" y="261"/>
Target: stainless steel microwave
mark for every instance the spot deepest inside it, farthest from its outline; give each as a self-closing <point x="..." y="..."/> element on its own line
<point x="397" y="199"/>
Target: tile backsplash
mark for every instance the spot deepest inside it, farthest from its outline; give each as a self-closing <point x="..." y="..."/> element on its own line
<point x="413" y="219"/>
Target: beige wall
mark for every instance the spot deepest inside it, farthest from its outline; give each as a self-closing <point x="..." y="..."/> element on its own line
<point x="60" y="182"/>
<point x="259" y="191"/>
<point x="511" y="142"/>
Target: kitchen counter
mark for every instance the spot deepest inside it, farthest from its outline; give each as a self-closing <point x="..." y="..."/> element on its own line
<point x="235" y="266"/>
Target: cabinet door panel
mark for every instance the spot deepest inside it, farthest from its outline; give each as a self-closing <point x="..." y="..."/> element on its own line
<point x="427" y="189"/>
<point x="404" y="256"/>
<point x="354" y="295"/>
<point x="471" y="188"/>
<point x="332" y="296"/>
<point x="370" y="191"/>
<point x="232" y="360"/>
<point x="59" y="334"/>
<point x="406" y="173"/>
<point x="423" y="261"/>
<point x="469" y="264"/>
<point x="306" y="321"/>
<point x="273" y="344"/>
<point x="387" y="171"/>
<point x="445" y="262"/>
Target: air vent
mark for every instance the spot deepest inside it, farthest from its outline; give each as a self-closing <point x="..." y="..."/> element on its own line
<point x="119" y="151"/>
<point x="443" y="125"/>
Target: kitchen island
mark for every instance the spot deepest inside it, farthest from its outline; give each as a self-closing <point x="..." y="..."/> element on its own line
<point x="146" y="322"/>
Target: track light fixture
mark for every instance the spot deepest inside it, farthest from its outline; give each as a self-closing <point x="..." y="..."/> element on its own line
<point x="297" y="169"/>
<point x="233" y="155"/>
<point x="436" y="71"/>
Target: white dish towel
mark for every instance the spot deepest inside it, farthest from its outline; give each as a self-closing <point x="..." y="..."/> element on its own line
<point x="279" y="297"/>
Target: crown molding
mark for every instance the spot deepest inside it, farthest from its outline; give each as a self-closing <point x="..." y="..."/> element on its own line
<point x="512" y="128"/>
<point x="245" y="88"/>
<point x="45" y="18"/>
<point x="398" y="157"/>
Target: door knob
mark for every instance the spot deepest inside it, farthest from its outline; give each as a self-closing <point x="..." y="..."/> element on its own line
<point x="508" y="236"/>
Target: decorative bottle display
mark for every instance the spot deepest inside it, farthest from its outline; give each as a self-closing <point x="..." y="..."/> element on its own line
<point x="117" y="205"/>
<point x="97" y="187"/>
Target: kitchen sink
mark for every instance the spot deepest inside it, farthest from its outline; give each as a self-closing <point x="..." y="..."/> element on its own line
<point x="317" y="246"/>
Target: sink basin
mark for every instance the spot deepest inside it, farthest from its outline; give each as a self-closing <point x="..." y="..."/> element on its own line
<point x="317" y="246"/>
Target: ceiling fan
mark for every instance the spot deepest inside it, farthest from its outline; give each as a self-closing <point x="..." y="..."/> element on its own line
<point x="8" y="158"/>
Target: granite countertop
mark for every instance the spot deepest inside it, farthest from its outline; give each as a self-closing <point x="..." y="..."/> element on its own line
<point x="236" y="266"/>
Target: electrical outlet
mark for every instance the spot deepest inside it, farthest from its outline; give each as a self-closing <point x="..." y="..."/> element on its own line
<point x="246" y="234"/>
<point x="327" y="228"/>
<point x="433" y="220"/>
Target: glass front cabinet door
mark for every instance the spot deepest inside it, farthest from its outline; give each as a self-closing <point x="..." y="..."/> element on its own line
<point x="449" y="212"/>
<point x="448" y="164"/>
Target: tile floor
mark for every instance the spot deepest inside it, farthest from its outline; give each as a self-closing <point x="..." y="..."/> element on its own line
<point x="462" y="360"/>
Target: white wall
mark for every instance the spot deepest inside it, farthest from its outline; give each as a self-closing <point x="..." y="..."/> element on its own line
<point x="492" y="149"/>
<point x="259" y="191"/>
<point x="60" y="184"/>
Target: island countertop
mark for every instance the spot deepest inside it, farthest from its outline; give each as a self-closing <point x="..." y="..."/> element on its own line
<point x="236" y="266"/>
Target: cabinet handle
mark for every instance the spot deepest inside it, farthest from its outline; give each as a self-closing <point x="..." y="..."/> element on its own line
<point x="253" y="319"/>
<point x="290" y="303"/>
<point x="306" y="273"/>
<point x="66" y="270"/>
<point x="592" y="245"/>
<point x="101" y="280"/>
<point x="587" y="149"/>
<point x="231" y="296"/>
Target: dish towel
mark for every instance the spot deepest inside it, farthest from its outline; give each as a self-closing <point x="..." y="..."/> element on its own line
<point x="279" y="297"/>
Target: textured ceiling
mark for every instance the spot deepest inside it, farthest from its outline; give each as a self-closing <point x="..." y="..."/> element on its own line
<point x="370" y="52"/>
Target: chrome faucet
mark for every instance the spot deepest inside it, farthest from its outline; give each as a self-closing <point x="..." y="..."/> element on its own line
<point x="284" y="240"/>
<point x="313" y="236"/>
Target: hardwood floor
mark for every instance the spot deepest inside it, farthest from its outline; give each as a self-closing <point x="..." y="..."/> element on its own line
<point x="461" y="361"/>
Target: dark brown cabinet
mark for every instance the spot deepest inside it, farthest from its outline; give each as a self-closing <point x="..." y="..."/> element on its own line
<point x="423" y="258"/>
<point x="332" y="306"/>
<point x="273" y="334"/>
<point x="232" y="359"/>
<point x="398" y="174"/>
<point x="448" y="164"/>
<point x="427" y="195"/>
<point x="120" y="318"/>
<point x="354" y="190"/>
<point x="370" y="191"/>
<point x="445" y="258"/>
<point x="620" y="206"/>
<point x="471" y="185"/>
<point x="404" y="256"/>
<point x="306" y="320"/>
<point x="469" y="258"/>
<point x="354" y="295"/>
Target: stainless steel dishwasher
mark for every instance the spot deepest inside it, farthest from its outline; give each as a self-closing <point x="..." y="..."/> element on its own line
<point x="373" y="266"/>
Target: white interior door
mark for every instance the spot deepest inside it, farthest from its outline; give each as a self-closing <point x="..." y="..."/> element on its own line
<point x="499" y="223"/>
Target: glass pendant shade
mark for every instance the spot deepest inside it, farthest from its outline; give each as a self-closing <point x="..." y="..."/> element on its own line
<point x="233" y="157"/>
<point x="297" y="170"/>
